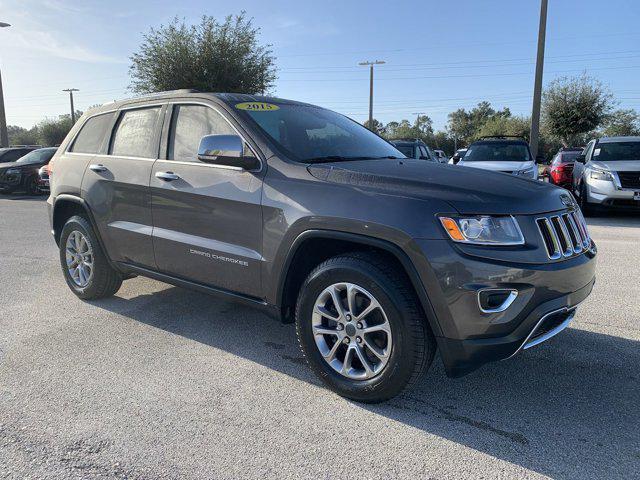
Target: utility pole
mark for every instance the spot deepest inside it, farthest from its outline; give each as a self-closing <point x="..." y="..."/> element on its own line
<point x="73" y="111"/>
<point x="537" y="87"/>
<point x="370" y="65"/>
<point x="4" y="137"/>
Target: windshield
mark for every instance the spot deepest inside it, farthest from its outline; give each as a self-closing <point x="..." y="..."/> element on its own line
<point x="567" y="157"/>
<point x="407" y="150"/>
<point x="38" y="156"/>
<point x="310" y="134"/>
<point x="607" y="152"/>
<point x="498" y="152"/>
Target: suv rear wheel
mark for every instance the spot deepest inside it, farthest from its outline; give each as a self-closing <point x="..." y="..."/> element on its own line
<point x="84" y="264"/>
<point x="361" y="328"/>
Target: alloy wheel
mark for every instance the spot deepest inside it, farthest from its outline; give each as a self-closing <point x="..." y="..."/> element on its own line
<point x="79" y="257"/>
<point x="352" y="331"/>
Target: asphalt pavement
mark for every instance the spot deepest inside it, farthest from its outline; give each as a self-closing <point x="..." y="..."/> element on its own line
<point x="160" y="382"/>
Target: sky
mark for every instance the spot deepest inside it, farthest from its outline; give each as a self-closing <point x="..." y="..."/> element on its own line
<point x="440" y="55"/>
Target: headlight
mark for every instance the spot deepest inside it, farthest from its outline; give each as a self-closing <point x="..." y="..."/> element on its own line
<point x="600" y="175"/>
<point x="13" y="171"/>
<point x="483" y="230"/>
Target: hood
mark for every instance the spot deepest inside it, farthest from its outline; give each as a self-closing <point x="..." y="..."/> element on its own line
<point x="467" y="190"/>
<point x="21" y="166"/>
<point x="497" y="166"/>
<point x="618" y="166"/>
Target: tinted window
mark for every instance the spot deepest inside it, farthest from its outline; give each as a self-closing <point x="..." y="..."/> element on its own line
<point x="607" y="152"/>
<point x="407" y="150"/>
<point x="42" y="155"/>
<point x="135" y="134"/>
<point x="309" y="133"/>
<point x="189" y="124"/>
<point x="14" y="154"/>
<point x="92" y="134"/>
<point x="567" y="157"/>
<point x="497" y="152"/>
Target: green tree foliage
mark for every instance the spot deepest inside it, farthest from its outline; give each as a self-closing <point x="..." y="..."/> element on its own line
<point x="51" y="132"/>
<point x="210" y="56"/>
<point x="572" y="107"/>
<point x="22" y="136"/>
<point x="421" y="128"/>
<point x="376" y="126"/>
<point x="466" y="125"/>
<point x="623" y="123"/>
<point x="501" y="125"/>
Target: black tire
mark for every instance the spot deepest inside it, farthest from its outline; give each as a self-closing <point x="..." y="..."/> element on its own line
<point x="31" y="186"/>
<point x="104" y="280"/>
<point x="413" y="345"/>
<point x="588" y="210"/>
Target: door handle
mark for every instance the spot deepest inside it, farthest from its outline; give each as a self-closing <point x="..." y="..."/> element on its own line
<point x="167" y="176"/>
<point x="98" y="167"/>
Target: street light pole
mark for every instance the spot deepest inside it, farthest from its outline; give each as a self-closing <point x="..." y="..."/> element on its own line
<point x="370" y="65"/>
<point x="73" y="111"/>
<point x="537" y="87"/>
<point x="4" y="137"/>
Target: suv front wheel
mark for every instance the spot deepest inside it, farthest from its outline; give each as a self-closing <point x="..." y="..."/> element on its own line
<point x="84" y="264"/>
<point x="361" y="328"/>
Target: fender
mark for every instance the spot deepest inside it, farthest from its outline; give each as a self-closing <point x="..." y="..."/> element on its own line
<point x="80" y="201"/>
<point x="391" y="248"/>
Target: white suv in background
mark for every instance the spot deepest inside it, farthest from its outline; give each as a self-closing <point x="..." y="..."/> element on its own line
<point x="501" y="154"/>
<point x="607" y="174"/>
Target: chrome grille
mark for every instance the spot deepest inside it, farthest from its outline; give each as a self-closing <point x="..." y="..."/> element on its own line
<point x="564" y="235"/>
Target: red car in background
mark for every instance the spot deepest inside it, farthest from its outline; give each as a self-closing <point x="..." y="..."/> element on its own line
<point x="561" y="168"/>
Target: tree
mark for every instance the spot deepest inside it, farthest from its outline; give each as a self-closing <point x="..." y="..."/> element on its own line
<point x="422" y="128"/>
<point x="51" y="132"/>
<point x="622" y="123"/>
<point x="501" y="125"/>
<point x="22" y="136"/>
<point x="465" y="125"/>
<point x="376" y="126"/>
<point x="210" y="56"/>
<point x="571" y="107"/>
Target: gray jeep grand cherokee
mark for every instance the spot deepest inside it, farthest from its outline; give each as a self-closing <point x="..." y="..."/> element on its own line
<point x="300" y="211"/>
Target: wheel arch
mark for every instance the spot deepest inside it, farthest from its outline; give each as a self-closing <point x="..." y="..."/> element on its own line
<point x="297" y="266"/>
<point x="66" y="206"/>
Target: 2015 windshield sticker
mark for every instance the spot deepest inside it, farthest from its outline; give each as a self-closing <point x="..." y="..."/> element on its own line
<point x="257" y="106"/>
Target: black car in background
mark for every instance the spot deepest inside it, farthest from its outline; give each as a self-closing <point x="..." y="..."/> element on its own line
<point x="11" y="154"/>
<point x="414" y="148"/>
<point x="23" y="173"/>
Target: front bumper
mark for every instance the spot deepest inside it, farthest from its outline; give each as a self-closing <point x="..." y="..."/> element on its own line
<point x="469" y="337"/>
<point x="608" y="193"/>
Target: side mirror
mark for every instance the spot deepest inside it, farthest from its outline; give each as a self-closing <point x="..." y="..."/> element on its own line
<point x="225" y="150"/>
<point x="581" y="158"/>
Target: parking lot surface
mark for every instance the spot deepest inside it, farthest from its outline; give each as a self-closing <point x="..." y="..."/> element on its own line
<point x="161" y="382"/>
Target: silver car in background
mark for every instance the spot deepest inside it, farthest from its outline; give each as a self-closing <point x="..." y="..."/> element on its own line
<point x="501" y="154"/>
<point x="607" y="174"/>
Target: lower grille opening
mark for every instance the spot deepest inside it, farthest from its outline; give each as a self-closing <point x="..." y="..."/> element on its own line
<point x="550" y="323"/>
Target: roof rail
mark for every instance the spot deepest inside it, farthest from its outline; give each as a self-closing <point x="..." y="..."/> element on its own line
<point x="24" y="146"/>
<point x="169" y="92"/>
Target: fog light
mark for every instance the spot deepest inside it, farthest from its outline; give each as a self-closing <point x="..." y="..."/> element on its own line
<point x="496" y="300"/>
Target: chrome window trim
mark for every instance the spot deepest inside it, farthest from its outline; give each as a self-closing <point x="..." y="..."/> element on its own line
<point x="202" y="164"/>
<point x="215" y="165"/>
<point x="104" y="155"/>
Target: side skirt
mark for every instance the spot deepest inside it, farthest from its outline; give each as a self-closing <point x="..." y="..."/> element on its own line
<point x="266" y="308"/>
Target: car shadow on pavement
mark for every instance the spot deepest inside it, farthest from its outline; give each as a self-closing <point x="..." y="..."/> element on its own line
<point x="615" y="219"/>
<point x="566" y="409"/>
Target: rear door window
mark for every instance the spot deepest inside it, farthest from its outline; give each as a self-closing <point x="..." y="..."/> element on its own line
<point x="189" y="123"/>
<point x="136" y="133"/>
<point x="92" y="134"/>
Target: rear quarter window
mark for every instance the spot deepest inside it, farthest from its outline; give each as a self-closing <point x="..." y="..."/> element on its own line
<point x="92" y="134"/>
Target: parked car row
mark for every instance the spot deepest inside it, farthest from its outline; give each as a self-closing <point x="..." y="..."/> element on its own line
<point x="22" y="169"/>
<point x="416" y="148"/>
